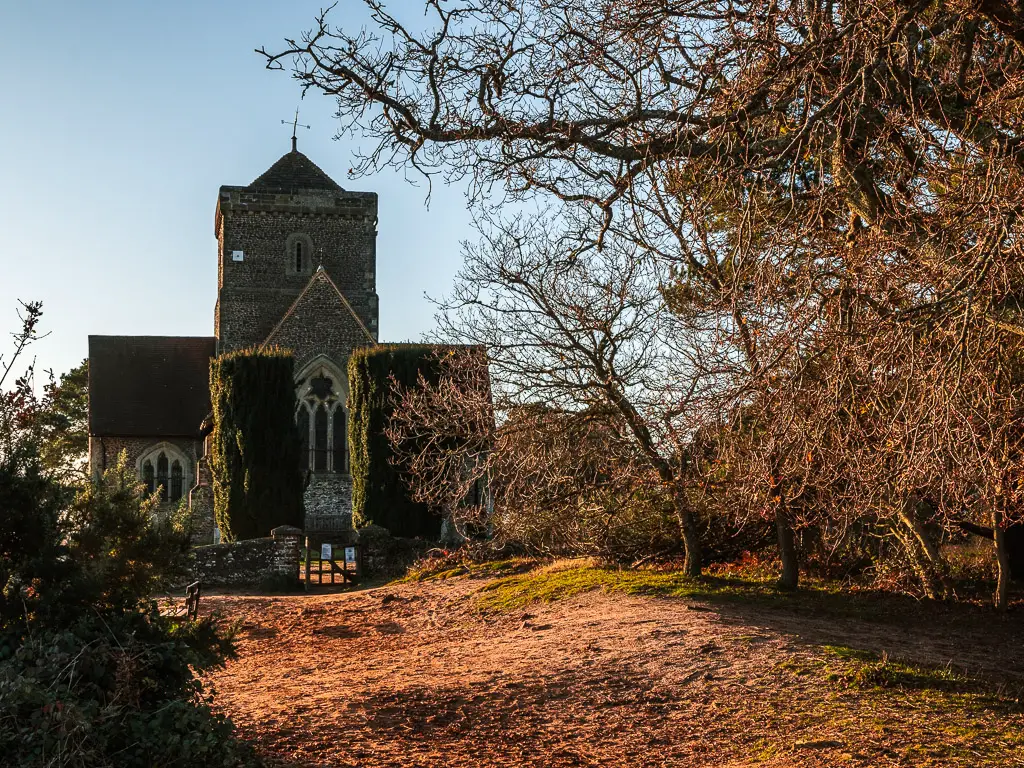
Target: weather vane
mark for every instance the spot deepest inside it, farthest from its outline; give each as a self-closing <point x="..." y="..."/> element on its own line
<point x="295" y="126"/>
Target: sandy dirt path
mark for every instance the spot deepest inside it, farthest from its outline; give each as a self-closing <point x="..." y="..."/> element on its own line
<point x="410" y="675"/>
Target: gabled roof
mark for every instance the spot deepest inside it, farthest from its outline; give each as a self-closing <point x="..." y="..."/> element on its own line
<point x="320" y="279"/>
<point x="149" y="386"/>
<point x="294" y="171"/>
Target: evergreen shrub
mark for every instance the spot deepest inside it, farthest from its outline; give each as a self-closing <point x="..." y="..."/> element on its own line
<point x="379" y="494"/>
<point x="92" y="673"/>
<point x="254" y="458"/>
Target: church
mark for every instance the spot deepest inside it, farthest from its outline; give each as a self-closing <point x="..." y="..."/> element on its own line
<point x="296" y="268"/>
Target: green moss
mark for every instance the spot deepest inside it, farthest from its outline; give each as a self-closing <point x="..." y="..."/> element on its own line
<point x="764" y="750"/>
<point x="558" y="583"/>
<point x="817" y="598"/>
<point x="867" y="669"/>
<point x="938" y="715"/>
<point x="845" y="652"/>
<point x="568" y="580"/>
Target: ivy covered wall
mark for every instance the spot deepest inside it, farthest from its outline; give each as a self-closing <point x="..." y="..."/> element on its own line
<point x="254" y="455"/>
<point x="379" y="494"/>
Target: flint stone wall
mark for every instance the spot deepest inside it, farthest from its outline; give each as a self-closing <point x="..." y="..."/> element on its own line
<point x="250" y="563"/>
<point x="328" y="501"/>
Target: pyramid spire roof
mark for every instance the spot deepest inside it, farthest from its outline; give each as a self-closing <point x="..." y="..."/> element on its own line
<point x="294" y="171"/>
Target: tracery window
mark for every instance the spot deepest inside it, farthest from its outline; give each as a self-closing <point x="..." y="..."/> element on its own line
<point x="321" y="422"/>
<point x="165" y="469"/>
<point x="320" y="438"/>
<point x="302" y="422"/>
<point x="339" y="441"/>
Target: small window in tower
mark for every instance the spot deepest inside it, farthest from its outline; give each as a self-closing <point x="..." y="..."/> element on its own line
<point x="298" y="256"/>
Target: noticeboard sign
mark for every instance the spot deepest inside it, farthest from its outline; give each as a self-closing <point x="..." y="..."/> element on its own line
<point x="326" y="551"/>
<point x="350" y="554"/>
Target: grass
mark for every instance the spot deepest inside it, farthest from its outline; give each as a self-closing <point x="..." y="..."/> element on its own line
<point x="566" y="579"/>
<point x="890" y="709"/>
<point x="867" y="669"/>
<point x="931" y="715"/>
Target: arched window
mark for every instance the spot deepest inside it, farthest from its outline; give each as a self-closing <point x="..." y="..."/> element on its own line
<point x="321" y="419"/>
<point x="298" y="256"/>
<point x="161" y="475"/>
<point x="166" y="469"/>
<point x="176" y="480"/>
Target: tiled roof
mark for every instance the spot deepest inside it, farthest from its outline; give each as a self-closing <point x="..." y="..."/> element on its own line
<point x="146" y="386"/>
<point x="292" y="172"/>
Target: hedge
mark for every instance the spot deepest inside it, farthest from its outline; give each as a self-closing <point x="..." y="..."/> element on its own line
<point x="379" y="493"/>
<point x="254" y="458"/>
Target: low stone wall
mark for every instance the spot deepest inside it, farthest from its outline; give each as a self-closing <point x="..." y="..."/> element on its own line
<point x="273" y="561"/>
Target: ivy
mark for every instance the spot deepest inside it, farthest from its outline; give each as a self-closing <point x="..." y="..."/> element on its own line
<point x="254" y="458"/>
<point x="379" y="493"/>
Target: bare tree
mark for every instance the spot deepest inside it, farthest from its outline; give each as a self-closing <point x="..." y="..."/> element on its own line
<point x="557" y="482"/>
<point x="18" y="403"/>
<point x="578" y="328"/>
<point x="442" y="434"/>
<point x="836" y="187"/>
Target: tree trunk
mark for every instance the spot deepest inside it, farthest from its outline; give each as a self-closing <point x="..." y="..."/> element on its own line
<point x="913" y="550"/>
<point x="790" y="577"/>
<point x="1001" y="597"/>
<point x="933" y="558"/>
<point x="692" y="564"/>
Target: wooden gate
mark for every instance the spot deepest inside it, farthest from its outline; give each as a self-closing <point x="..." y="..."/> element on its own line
<point x="325" y="562"/>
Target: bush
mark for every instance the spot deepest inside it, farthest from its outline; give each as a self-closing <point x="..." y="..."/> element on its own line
<point x="91" y="674"/>
<point x="379" y="492"/>
<point x="257" y="483"/>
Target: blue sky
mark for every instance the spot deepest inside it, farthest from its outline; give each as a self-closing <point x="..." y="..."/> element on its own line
<point x="121" y="120"/>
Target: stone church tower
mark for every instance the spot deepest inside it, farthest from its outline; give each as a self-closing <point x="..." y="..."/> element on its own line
<point x="297" y="269"/>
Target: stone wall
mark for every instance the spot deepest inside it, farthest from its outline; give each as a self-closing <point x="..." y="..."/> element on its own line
<point x="256" y="563"/>
<point x="328" y="503"/>
<point x="386" y="555"/>
<point x="257" y="291"/>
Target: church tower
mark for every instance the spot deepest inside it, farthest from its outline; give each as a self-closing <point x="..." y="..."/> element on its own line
<point x="297" y="269"/>
<point x="273" y="236"/>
